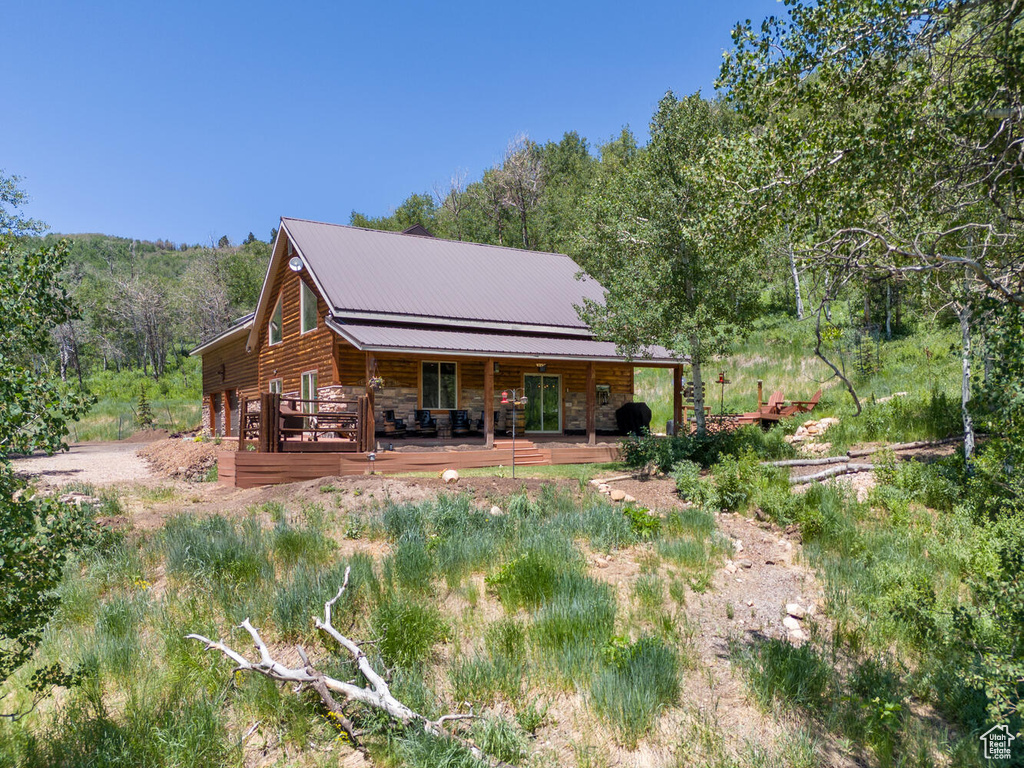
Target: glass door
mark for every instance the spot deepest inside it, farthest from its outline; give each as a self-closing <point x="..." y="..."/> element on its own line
<point x="543" y="404"/>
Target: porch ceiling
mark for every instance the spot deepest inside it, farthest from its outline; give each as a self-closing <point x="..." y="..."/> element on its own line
<point x="385" y="338"/>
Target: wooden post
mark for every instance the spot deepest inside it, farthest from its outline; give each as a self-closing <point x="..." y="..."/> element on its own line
<point x="270" y="422"/>
<point x="760" y="393"/>
<point x="591" y="403"/>
<point x="227" y="413"/>
<point x="677" y="401"/>
<point x="489" y="402"/>
<point x="243" y="416"/>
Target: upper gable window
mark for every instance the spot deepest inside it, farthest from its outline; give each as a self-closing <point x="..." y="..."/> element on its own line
<point x="308" y="302"/>
<point x="274" y="332"/>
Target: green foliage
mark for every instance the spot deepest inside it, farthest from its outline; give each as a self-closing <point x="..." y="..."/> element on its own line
<point x="645" y="524"/>
<point x="143" y="412"/>
<point x="407" y="629"/>
<point x="40" y="537"/>
<point x="639" y="680"/>
<point x="735" y="479"/>
<point x="500" y="739"/>
<point x="216" y="550"/>
<point x="35" y="407"/>
<point x="665" y="453"/>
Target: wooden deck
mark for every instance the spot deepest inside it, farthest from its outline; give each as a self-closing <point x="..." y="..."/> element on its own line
<point x="248" y="469"/>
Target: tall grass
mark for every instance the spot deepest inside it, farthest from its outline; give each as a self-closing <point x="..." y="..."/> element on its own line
<point x="639" y="681"/>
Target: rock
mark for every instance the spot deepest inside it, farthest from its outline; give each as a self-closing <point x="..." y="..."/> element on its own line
<point x="738" y="545"/>
<point x="790" y="623"/>
<point x="617" y="494"/>
<point x="795" y="610"/>
<point x="604" y="488"/>
<point x="627" y="498"/>
<point x="750" y="603"/>
<point x="798" y="634"/>
<point x="596" y="483"/>
<point x="496" y="510"/>
<point x="600" y="562"/>
<point x="450" y="476"/>
<point x="745" y="564"/>
<point x="731" y="568"/>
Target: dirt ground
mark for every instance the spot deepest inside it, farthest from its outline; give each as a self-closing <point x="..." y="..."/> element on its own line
<point x="97" y="464"/>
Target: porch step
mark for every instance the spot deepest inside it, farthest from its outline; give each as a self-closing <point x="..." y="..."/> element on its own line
<point x="521" y="445"/>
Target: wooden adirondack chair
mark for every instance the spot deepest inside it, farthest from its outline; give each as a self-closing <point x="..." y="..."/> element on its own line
<point x="774" y="404"/>
<point x="806" y="406"/>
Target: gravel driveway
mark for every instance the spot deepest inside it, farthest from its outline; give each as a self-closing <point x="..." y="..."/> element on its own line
<point x="94" y="463"/>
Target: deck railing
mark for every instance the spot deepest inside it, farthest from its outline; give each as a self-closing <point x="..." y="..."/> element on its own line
<point x="276" y="420"/>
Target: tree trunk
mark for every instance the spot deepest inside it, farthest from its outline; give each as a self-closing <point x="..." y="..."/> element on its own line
<point x="821" y="355"/>
<point x="796" y="284"/>
<point x="698" y="388"/>
<point x="963" y="313"/>
<point x="888" y="311"/>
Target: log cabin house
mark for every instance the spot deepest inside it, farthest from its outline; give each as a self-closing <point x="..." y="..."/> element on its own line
<point x="437" y="328"/>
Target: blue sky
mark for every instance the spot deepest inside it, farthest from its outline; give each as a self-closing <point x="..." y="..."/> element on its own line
<point x="190" y="120"/>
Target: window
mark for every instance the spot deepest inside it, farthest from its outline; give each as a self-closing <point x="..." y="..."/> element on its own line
<point x="276" y="385"/>
<point x="439" y="386"/>
<point x="274" y="331"/>
<point x="308" y="304"/>
<point x="309" y="391"/>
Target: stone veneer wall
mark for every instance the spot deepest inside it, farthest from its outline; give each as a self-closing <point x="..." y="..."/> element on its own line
<point x="574" y="413"/>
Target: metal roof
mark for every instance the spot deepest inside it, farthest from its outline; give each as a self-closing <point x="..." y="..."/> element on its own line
<point x="391" y="338"/>
<point x="234" y="330"/>
<point x="390" y="275"/>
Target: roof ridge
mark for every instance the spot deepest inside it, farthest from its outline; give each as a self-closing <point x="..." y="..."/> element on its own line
<point x="434" y="238"/>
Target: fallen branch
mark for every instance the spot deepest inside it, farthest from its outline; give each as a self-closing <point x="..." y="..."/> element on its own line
<point x="904" y="446"/>
<point x="806" y="462"/>
<point x="376" y="694"/>
<point x="843" y="469"/>
<point x="598" y="481"/>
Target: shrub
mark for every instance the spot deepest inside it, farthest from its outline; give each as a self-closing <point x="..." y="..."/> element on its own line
<point x="644" y="525"/>
<point x="691" y="486"/>
<point x="735" y="479"/>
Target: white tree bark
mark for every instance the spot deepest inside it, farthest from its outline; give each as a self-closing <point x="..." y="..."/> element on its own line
<point x="796" y="283"/>
<point x="963" y="313"/>
<point x="376" y="694"/>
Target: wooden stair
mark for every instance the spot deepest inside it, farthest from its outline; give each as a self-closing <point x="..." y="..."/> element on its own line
<point x="526" y="452"/>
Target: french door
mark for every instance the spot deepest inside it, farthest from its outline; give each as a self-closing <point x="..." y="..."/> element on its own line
<point x="543" y="403"/>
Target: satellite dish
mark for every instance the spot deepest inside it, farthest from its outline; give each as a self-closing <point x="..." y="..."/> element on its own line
<point x="295" y="264"/>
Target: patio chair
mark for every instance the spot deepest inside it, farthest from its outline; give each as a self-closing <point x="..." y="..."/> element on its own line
<point x="460" y="423"/>
<point x="806" y="406"/>
<point x="393" y="427"/>
<point x="423" y="424"/>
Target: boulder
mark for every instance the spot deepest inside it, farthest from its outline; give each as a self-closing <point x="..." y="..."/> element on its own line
<point x="496" y="510"/>
<point x="450" y="476"/>
<point x="604" y="488"/>
<point x="796" y="610"/>
<point x="618" y="494"/>
<point x="790" y="623"/>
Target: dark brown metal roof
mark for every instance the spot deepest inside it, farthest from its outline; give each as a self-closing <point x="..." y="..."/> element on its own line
<point x="391" y="338"/>
<point x="386" y="275"/>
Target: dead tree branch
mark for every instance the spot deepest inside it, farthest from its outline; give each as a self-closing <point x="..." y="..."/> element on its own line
<point x="376" y="694"/>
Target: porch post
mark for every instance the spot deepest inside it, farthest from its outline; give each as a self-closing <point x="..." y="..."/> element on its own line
<point x="371" y="427"/>
<point x="489" y="402"/>
<point x="227" y="412"/>
<point x="591" y="403"/>
<point x="677" y="399"/>
<point x="213" y="415"/>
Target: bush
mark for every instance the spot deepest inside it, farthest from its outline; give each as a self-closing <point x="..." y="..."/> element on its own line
<point x="735" y="480"/>
<point x="691" y="486"/>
